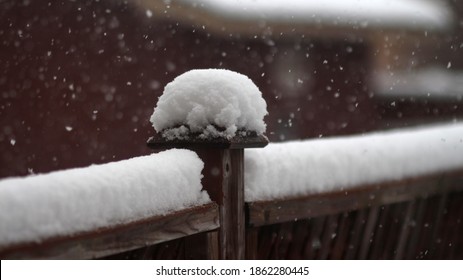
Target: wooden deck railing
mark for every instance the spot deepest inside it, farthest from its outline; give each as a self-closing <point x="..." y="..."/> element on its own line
<point x="123" y="238"/>
<point x="419" y="217"/>
<point x="280" y="211"/>
<point x="411" y="219"/>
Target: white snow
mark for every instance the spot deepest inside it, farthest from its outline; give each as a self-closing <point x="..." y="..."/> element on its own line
<point x="428" y="83"/>
<point x="413" y="14"/>
<point x="210" y="102"/>
<point x="83" y="199"/>
<point x="313" y="166"/>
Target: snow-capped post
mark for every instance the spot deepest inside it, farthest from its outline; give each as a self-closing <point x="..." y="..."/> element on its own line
<point x="217" y="113"/>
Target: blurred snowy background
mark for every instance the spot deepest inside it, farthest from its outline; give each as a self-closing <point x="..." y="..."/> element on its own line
<point x="79" y="79"/>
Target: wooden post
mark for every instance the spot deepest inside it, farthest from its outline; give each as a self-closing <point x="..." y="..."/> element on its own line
<point x="224" y="181"/>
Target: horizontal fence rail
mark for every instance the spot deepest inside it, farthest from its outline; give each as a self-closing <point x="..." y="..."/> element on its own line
<point x="104" y="209"/>
<point x="334" y="202"/>
<point x="403" y="217"/>
<point x="122" y="238"/>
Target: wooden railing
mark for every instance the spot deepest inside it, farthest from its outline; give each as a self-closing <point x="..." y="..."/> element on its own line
<point x="410" y="219"/>
<point x="123" y="238"/>
<point x="419" y="217"/>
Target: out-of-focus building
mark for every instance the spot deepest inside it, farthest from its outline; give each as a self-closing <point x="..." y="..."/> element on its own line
<point x="79" y="79"/>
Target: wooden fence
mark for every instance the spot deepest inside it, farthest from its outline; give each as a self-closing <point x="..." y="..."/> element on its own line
<point x="416" y="218"/>
<point x="411" y="219"/>
<point x="420" y="218"/>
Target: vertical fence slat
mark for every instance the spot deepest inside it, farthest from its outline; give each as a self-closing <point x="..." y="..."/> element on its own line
<point x="416" y="230"/>
<point x="328" y="236"/>
<point x="404" y="231"/>
<point x="369" y="232"/>
<point x="213" y="245"/>
<point x="313" y="242"/>
<point x="394" y="221"/>
<point x="456" y="250"/>
<point x="378" y="243"/>
<point x="300" y="232"/>
<point x="267" y="239"/>
<point x="435" y="237"/>
<point x="285" y="236"/>
<point x="355" y="235"/>
<point x="252" y="244"/>
<point x="340" y="241"/>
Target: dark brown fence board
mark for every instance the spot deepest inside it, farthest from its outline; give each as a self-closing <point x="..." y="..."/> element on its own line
<point x="355" y="235"/>
<point x="329" y="233"/>
<point x="169" y="250"/>
<point x="449" y="219"/>
<point x="416" y="229"/>
<point x="266" y="240"/>
<point x="368" y="232"/>
<point x="393" y="224"/>
<point x="426" y="242"/>
<point x="405" y="231"/>
<point x="313" y="243"/>
<point x="252" y="243"/>
<point x="285" y="236"/>
<point x="284" y="210"/>
<point x="456" y="250"/>
<point x="122" y="238"/>
<point x="436" y="238"/>
<point x="378" y="241"/>
<point x="195" y="142"/>
<point x="340" y="242"/>
<point x="300" y="231"/>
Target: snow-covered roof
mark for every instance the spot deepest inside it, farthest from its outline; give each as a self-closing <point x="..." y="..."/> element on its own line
<point x="435" y="84"/>
<point x="313" y="166"/>
<point x="84" y="199"/>
<point x="211" y="103"/>
<point x="354" y="14"/>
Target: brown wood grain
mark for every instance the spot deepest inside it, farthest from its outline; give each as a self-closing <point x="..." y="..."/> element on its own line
<point x="108" y="241"/>
<point x="279" y="211"/>
<point x="195" y="142"/>
<point x="232" y="215"/>
<point x="341" y="236"/>
<point x="355" y="235"/>
<point x="224" y="181"/>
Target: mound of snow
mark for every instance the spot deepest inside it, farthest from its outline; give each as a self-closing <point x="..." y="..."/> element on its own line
<point x="315" y="166"/>
<point x="211" y="103"/>
<point x="84" y="199"/>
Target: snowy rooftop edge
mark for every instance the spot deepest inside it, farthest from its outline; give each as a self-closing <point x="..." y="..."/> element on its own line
<point x="78" y="200"/>
<point x="411" y="14"/>
<point x="340" y="163"/>
<point x="431" y="83"/>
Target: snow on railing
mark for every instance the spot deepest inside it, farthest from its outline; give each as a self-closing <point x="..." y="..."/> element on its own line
<point x="78" y="200"/>
<point x="217" y="114"/>
<point x="298" y="168"/>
